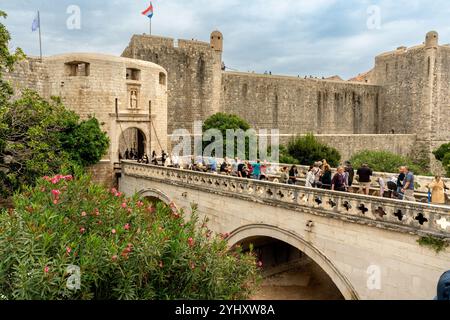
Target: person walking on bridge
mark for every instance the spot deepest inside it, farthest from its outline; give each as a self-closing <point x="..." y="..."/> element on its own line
<point x="437" y="188"/>
<point x="364" y="175"/>
<point x="408" y="185"/>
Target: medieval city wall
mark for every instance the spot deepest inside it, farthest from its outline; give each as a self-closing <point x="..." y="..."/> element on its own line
<point x="351" y="144"/>
<point x="194" y="75"/>
<point x="298" y="106"/>
<point x="29" y="73"/>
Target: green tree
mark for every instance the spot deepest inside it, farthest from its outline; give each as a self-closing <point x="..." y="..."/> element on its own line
<point x="307" y="150"/>
<point x="384" y="161"/>
<point x="125" y="248"/>
<point x="41" y="138"/>
<point x="85" y="142"/>
<point x="443" y="154"/>
<point x="224" y="122"/>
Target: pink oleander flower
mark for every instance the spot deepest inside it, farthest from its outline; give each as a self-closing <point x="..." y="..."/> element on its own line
<point x="260" y="264"/>
<point x="47" y="178"/>
<point x="140" y="204"/>
<point x="113" y="231"/>
<point x="55" y="202"/>
<point x="114" y="258"/>
<point x="68" y="250"/>
<point x="54" y="180"/>
<point x="56" y="193"/>
<point x="82" y="230"/>
<point x="47" y="269"/>
<point x="113" y="190"/>
<point x="83" y="214"/>
<point x="191" y="242"/>
<point x="127" y="226"/>
<point x="192" y="265"/>
<point x="161" y="264"/>
<point x="151" y="209"/>
<point x="68" y="177"/>
<point x="124" y="205"/>
<point x="118" y="194"/>
<point x="130" y="210"/>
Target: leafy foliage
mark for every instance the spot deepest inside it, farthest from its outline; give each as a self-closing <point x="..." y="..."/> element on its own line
<point x="41" y="138"/>
<point x="436" y="244"/>
<point x="443" y="154"/>
<point x="384" y="161"/>
<point x="224" y="122"/>
<point x="307" y="150"/>
<point x="125" y="248"/>
<point x="85" y="143"/>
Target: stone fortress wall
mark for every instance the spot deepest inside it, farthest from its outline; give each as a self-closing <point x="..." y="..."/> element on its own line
<point x="123" y="94"/>
<point x="180" y="81"/>
<point x="406" y="93"/>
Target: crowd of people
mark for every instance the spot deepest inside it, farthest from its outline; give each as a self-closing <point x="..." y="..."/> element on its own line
<point x="319" y="175"/>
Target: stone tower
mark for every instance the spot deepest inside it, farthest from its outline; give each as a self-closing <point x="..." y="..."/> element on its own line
<point x="217" y="41"/>
<point x="416" y="82"/>
<point x="194" y="74"/>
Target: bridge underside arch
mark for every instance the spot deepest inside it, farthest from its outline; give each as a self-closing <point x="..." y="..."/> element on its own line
<point x="247" y="233"/>
<point x="155" y="196"/>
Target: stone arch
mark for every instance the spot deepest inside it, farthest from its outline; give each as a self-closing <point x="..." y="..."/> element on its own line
<point x="293" y="239"/>
<point x="133" y="137"/>
<point x="156" y="194"/>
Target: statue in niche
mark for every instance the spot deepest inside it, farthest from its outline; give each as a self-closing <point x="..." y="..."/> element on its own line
<point x="133" y="99"/>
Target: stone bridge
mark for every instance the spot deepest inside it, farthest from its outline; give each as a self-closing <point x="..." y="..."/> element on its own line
<point x="366" y="245"/>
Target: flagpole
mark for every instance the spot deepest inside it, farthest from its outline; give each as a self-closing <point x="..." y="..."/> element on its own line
<point x="150" y="26"/>
<point x="40" y="37"/>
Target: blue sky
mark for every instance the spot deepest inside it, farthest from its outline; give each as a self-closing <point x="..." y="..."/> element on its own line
<point x="292" y="37"/>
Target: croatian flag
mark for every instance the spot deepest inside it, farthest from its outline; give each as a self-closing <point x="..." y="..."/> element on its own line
<point x="149" y="11"/>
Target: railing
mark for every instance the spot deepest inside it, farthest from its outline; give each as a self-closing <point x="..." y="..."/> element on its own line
<point x="403" y="216"/>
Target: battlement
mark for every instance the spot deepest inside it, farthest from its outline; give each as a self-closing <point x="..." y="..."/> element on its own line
<point x="150" y="41"/>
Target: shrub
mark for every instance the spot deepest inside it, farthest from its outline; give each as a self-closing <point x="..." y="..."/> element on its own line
<point x="442" y="152"/>
<point x="124" y="248"/>
<point x="384" y="161"/>
<point x="307" y="150"/>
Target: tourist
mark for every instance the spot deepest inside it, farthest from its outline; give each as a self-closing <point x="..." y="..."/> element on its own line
<point x="400" y="179"/>
<point x="127" y="154"/>
<point x="437" y="187"/>
<point x="212" y="164"/>
<point x="350" y="173"/>
<point x="338" y="181"/>
<point x="224" y="167"/>
<point x="242" y="170"/>
<point x="293" y="175"/>
<point x="392" y="187"/>
<point x="317" y="174"/>
<point x="257" y="170"/>
<point x="284" y="177"/>
<point x="364" y="178"/>
<point x="154" y="158"/>
<point x="263" y="170"/>
<point x="310" y="178"/>
<point x="443" y="287"/>
<point x="249" y="169"/>
<point x="145" y="159"/>
<point x="175" y="160"/>
<point x="326" y="177"/>
<point x="408" y="185"/>
<point x="163" y="158"/>
<point x="382" y="182"/>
